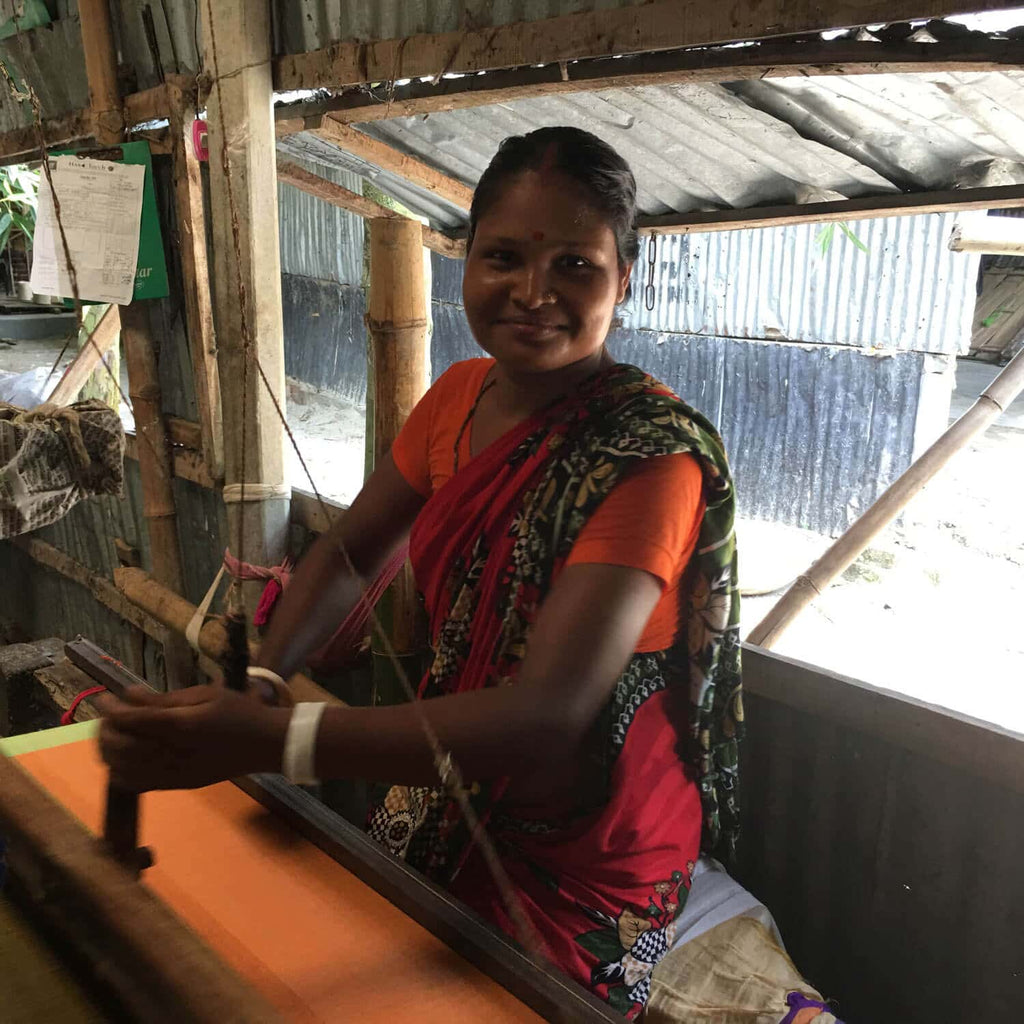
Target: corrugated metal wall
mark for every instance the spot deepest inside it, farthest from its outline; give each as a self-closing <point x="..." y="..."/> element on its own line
<point x="319" y="240"/>
<point x="321" y="285"/>
<point x="908" y="292"/>
<point x="815" y="432"/>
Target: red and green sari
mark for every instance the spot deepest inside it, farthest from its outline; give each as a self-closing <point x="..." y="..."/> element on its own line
<point x="604" y="884"/>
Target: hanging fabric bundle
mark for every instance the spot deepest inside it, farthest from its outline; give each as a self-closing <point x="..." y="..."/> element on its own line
<point x="53" y="457"/>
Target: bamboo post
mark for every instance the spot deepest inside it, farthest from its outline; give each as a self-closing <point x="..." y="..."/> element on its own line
<point x="994" y="400"/>
<point x="247" y="277"/>
<point x="101" y="71"/>
<point x="397" y="323"/>
<point x="191" y="221"/>
<point x="156" y="472"/>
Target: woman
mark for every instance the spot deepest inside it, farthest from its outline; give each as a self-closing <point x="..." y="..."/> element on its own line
<point x="571" y="532"/>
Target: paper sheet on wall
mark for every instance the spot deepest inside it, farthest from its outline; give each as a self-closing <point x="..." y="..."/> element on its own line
<point x="100" y="209"/>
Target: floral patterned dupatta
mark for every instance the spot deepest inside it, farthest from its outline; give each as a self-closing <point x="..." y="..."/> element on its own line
<point x="486" y="547"/>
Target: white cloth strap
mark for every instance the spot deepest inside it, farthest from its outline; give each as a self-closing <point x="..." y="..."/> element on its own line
<point x="297" y="764"/>
<point x="195" y="624"/>
<point x="254" y="492"/>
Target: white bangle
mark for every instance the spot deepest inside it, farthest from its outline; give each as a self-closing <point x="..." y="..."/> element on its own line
<point x="266" y="673"/>
<point x="297" y="763"/>
<point x="271" y="687"/>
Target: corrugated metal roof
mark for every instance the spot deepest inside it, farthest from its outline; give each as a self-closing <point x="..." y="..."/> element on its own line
<point x="306" y="147"/>
<point x="706" y="147"/>
<point x="921" y="131"/>
<point x="907" y="292"/>
<point x="317" y="239"/>
<point x="690" y="146"/>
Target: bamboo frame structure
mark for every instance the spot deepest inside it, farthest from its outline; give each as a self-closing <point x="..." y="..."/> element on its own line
<point x="397" y="326"/>
<point x="90" y="355"/>
<point x="992" y="402"/>
<point x="175" y="613"/>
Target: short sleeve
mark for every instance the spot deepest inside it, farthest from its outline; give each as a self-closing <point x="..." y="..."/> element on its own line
<point x="411" y="449"/>
<point x="649" y="521"/>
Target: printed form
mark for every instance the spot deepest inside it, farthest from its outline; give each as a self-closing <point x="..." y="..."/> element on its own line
<point x="101" y="210"/>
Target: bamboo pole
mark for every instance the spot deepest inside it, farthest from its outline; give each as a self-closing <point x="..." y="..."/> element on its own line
<point x="90" y="355"/>
<point x="101" y="71"/>
<point x="157" y="474"/>
<point x="993" y="401"/>
<point x="247" y="278"/>
<point x="397" y="323"/>
<point x="176" y="613"/>
<point x="191" y="221"/>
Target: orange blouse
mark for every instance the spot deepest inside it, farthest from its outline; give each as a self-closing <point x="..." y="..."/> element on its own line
<point x="650" y="521"/>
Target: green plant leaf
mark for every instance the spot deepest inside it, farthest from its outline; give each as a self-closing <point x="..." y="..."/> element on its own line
<point x="824" y="238"/>
<point x="846" y="230"/>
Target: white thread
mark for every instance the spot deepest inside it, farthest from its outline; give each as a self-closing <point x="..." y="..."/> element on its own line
<point x="234" y="493"/>
<point x="297" y="762"/>
<point x="195" y="624"/>
<point x="266" y="673"/>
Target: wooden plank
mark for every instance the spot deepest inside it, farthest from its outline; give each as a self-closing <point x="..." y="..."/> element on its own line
<point x="135" y="945"/>
<point x="101" y="588"/>
<point x="337" y="195"/>
<point x="62" y="682"/>
<point x="22" y="144"/>
<point x="186" y="463"/>
<point x="101" y="341"/>
<point x="184" y="432"/>
<point x="967" y="744"/>
<point x="247" y="294"/>
<point x="894" y="205"/>
<point x="191" y="223"/>
<point x="390" y="159"/>
<point x="766" y="59"/>
<point x="661" y="25"/>
<point x="106" y="111"/>
<point x="543" y="988"/>
<point x="306" y="511"/>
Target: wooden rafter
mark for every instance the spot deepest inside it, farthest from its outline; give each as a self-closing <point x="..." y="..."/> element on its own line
<point x="768" y="59"/>
<point x="390" y="159"/>
<point x="892" y="205"/>
<point x="312" y="184"/>
<point x="662" y="25"/>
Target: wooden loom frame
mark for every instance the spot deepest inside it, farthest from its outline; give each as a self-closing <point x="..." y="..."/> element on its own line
<point x="72" y="878"/>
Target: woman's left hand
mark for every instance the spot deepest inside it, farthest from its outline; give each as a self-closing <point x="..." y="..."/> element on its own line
<point x="189" y="738"/>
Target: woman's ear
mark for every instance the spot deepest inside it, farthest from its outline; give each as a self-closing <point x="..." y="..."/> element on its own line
<point x="627" y="270"/>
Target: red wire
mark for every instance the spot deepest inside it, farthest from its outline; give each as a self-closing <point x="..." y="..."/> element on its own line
<point x="69" y="716"/>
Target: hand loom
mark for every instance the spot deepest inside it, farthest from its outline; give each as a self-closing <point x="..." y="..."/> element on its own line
<point x="262" y="904"/>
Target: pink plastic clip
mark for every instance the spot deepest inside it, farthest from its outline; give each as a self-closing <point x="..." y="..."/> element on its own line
<point x="199" y="140"/>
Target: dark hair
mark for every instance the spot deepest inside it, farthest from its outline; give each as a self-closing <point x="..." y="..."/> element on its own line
<point x="579" y="155"/>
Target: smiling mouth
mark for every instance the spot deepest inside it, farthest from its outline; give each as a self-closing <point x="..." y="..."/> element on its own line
<point x="533" y="325"/>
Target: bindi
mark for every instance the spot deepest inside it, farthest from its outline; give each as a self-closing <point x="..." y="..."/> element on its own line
<point x="538" y="236"/>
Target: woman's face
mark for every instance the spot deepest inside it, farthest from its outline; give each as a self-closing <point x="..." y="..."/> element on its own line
<point x="542" y="277"/>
